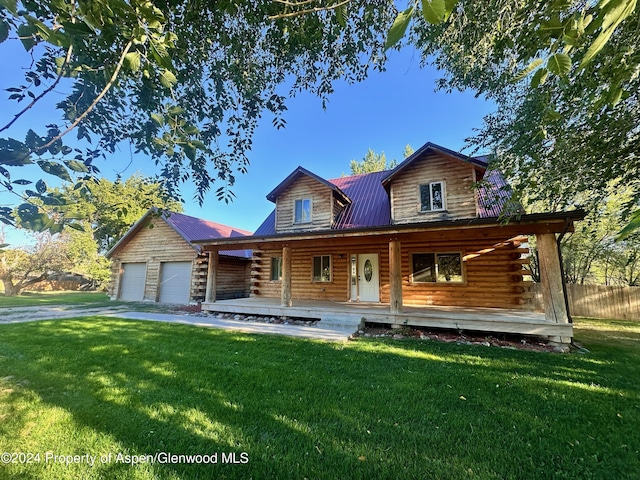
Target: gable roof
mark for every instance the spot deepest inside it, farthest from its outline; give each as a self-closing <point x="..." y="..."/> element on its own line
<point x="189" y="228"/>
<point x="475" y="161"/>
<point x="295" y="175"/>
<point x="370" y="206"/>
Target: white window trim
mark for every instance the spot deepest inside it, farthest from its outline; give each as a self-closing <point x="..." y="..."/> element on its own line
<point x="444" y="197"/>
<point x="295" y="222"/>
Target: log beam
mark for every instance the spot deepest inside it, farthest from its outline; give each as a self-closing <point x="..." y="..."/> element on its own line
<point x="395" y="276"/>
<point x="212" y="278"/>
<point x="555" y="307"/>
<point x="285" y="296"/>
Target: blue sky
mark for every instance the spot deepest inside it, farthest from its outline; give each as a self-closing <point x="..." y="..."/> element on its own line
<point x="386" y="112"/>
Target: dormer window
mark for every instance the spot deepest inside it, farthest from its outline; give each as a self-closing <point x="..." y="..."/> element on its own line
<point x="303" y="210"/>
<point x="432" y="197"/>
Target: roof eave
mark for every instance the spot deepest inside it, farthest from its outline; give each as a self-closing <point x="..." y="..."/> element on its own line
<point x="562" y="219"/>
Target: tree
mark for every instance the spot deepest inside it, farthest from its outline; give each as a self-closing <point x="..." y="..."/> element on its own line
<point x="106" y="209"/>
<point x="374" y="162"/>
<point x="133" y="71"/>
<point x="564" y="77"/>
<point x="21" y="268"/>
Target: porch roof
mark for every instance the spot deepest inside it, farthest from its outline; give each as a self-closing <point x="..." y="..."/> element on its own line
<point x="526" y="224"/>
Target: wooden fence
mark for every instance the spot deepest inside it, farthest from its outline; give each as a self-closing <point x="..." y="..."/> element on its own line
<point x="598" y="301"/>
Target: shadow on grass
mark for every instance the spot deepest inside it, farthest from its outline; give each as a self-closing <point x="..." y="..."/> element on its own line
<point x="304" y="409"/>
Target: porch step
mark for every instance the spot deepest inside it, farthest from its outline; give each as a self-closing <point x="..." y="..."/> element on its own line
<point x="340" y="320"/>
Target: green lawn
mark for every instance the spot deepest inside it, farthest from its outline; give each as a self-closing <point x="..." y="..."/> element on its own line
<point x="295" y="408"/>
<point x="29" y="299"/>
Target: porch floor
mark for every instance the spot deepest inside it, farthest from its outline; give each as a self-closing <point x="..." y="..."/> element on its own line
<point x="497" y="320"/>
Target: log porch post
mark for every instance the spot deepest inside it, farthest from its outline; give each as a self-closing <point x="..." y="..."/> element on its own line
<point x="395" y="276"/>
<point x="285" y="295"/>
<point x="212" y="278"/>
<point x="555" y="307"/>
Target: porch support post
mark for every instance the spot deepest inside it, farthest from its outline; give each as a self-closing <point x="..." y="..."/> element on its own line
<point x="395" y="276"/>
<point x="555" y="308"/>
<point x="285" y="296"/>
<point x="212" y="278"/>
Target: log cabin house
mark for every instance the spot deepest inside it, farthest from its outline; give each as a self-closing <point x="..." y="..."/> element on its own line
<point x="157" y="261"/>
<point x="417" y="245"/>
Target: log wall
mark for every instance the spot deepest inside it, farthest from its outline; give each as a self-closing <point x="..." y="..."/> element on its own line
<point x="163" y="244"/>
<point x="321" y="204"/>
<point x="153" y="246"/>
<point x="493" y="279"/>
<point x="460" y="199"/>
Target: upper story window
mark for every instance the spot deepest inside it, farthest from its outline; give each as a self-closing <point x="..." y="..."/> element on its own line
<point x="432" y="197"/>
<point x="303" y="211"/>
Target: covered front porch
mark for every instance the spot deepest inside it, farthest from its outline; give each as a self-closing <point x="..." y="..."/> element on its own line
<point x="498" y="320"/>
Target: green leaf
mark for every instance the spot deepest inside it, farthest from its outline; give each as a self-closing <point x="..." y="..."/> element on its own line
<point x="13" y="153"/>
<point x="167" y="78"/>
<point x="539" y="77"/>
<point x="76" y="226"/>
<point x="11" y="5"/>
<point x="559" y="63"/>
<point x="530" y="68"/>
<point x="398" y="28"/>
<point x="41" y="187"/>
<point x="157" y="118"/>
<point x="77" y="166"/>
<point x="342" y="15"/>
<point x="26" y="32"/>
<point x="4" y="31"/>
<point x="630" y="228"/>
<point x="22" y="182"/>
<point x="132" y="61"/>
<point x="617" y="12"/>
<point x="56" y="169"/>
<point x="434" y="11"/>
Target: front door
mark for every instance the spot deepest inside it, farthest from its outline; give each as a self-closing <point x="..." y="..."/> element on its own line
<point x="368" y="278"/>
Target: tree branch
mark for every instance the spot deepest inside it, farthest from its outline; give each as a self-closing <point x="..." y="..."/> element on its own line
<point x="309" y="10"/>
<point x="36" y="99"/>
<point x="95" y="101"/>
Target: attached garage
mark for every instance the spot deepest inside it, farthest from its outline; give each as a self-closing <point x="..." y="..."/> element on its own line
<point x="175" y="282"/>
<point x="133" y="281"/>
<point x="161" y="264"/>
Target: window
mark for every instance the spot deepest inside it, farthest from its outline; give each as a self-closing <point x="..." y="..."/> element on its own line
<point x="436" y="267"/>
<point x="432" y="197"/>
<point x="276" y="269"/>
<point x="322" y="268"/>
<point x="303" y="210"/>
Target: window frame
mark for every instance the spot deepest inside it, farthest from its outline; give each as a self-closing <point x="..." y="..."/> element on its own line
<point x="302" y="202"/>
<point x="319" y="278"/>
<point x="430" y="185"/>
<point x="275" y="261"/>
<point x="462" y="281"/>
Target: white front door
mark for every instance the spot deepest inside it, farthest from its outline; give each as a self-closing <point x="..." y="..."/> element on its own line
<point x="368" y="278"/>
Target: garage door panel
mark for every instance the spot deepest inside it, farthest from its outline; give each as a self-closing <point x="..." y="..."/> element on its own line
<point x="175" y="282"/>
<point x="134" y="278"/>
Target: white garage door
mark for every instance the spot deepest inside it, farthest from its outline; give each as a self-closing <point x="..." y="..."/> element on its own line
<point x="134" y="277"/>
<point x="175" y="282"/>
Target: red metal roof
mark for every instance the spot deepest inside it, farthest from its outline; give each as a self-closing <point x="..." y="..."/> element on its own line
<point x="370" y="206"/>
<point x="192" y="228"/>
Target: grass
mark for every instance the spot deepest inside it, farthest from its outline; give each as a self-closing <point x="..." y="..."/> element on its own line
<point x="74" y="299"/>
<point x="302" y="409"/>
<point x="31" y="299"/>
